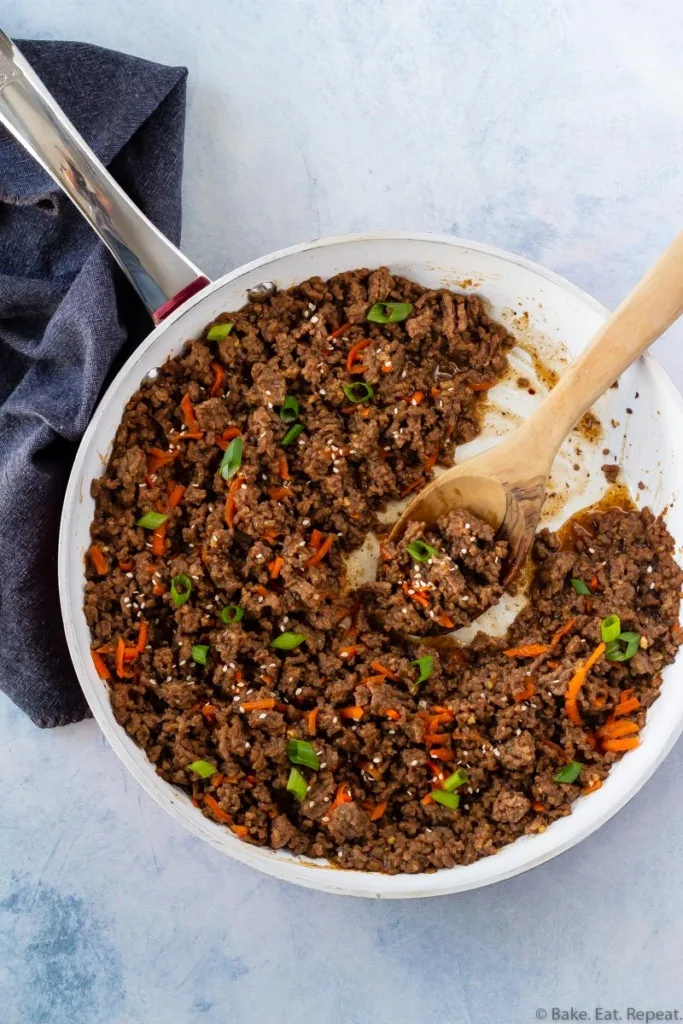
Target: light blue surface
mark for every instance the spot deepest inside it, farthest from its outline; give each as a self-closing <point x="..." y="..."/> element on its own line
<point x="552" y="128"/>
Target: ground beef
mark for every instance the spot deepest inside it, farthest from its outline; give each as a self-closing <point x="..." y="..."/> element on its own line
<point x="440" y="577"/>
<point x="261" y="543"/>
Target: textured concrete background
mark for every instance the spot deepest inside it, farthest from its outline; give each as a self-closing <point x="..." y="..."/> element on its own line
<point x="550" y="127"/>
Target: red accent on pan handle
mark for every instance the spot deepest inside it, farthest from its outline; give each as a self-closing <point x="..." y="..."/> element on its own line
<point x="177" y="300"/>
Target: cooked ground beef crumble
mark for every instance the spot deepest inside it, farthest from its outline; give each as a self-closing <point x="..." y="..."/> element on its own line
<point x="226" y="629"/>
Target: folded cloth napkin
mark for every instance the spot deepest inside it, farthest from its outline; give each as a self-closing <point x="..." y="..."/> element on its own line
<point x="67" y="319"/>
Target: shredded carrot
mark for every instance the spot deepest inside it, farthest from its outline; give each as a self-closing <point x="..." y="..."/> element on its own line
<point x="127" y="565"/>
<point x="278" y="493"/>
<point x="275" y="567"/>
<point x="265" y="704"/>
<point x="599" y="702"/>
<point x="443" y="753"/>
<point x="352" y="357"/>
<point x="430" y="462"/>
<point x="240" y="830"/>
<point x="218" y="378"/>
<point x="556" y="749"/>
<point x="283" y="468"/>
<point x="416" y="397"/>
<point x="387" y="366"/>
<point x="339" y="331"/>
<point x="526" y="651"/>
<point x="535" y="806"/>
<point x="322" y="551"/>
<point x="567" y="628"/>
<point x="316" y="540"/>
<point x="378" y="810"/>
<point x="158" y="589"/>
<point x="260" y="589"/>
<point x="594" y="583"/>
<point x="591" y="787"/>
<point x="217" y="810"/>
<point x="613" y="730"/>
<point x="379" y="667"/>
<point x="355" y="713"/>
<point x="349" y="652"/>
<point x="312" y="721"/>
<point x="412" y="487"/>
<point x="119" y="655"/>
<point x="156" y="459"/>
<point x="417" y="594"/>
<point x="189" y="435"/>
<point x="209" y="713"/>
<point x="528" y="691"/>
<point x="100" y="665"/>
<point x="343" y="796"/>
<point x="393" y="715"/>
<point x="159" y="540"/>
<point x="175" y="496"/>
<point x="371" y="769"/>
<point x="622" y="743"/>
<point x="105" y="649"/>
<point x="445" y="621"/>
<point x="371" y="680"/>
<point x="189" y="416"/>
<point x="482" y="385"/>
<point x="271" y="535"/>
<point x="130" y="653"/>
<point x="230" y="502"/>
<point x="217" y="780"/>
<point x="436" y="739"/>
<point x="143" y="633"/>
<point x="576" y="682"/>
<point x="437" y="771"/>
<point x="427" y="799"/>
<point x="625" y="707"/>
<point x="626" y="694"/>
<point x="99" y="562"/>
<point x="228" y="435"/>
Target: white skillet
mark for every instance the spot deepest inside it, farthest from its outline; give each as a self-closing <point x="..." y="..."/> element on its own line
<point x="182" y="301"/>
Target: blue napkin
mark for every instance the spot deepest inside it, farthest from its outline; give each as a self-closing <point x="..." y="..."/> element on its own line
<point x="68" y="318"/>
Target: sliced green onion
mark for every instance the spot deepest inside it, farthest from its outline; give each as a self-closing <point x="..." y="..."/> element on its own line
<point x="151" y="520"/>
<point x="458" y="778"/>
<point x="302" y="752"/>
<point x="199" y="653"/>
<point x="451" y="800"/>
<point x="610" y="628"/>
<point x="580" y="587"/>
<point x="420" y="551"/>
<point x="388" y="312"/>
<point x="289" y="410"/>
<point x="287" y="641"/>
<point x="297" y="784"/>
<point x="232" y="613"/>
<point x="569" y="773"/>
<point x="358" y="392"/>
<point x="426" y="667"/>
<point x="232" y="458"/>
<point x="292" y="434"/>
<point x="203" y="769"/>
<point x="624" y="647"/>
<point x="219" y="331"/>
<point x="180" y="589"/>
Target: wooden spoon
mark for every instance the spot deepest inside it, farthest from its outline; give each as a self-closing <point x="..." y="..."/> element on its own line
<point x="505" y="486"/>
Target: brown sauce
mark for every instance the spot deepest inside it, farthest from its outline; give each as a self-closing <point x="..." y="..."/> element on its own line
<point x="583" y="524"/>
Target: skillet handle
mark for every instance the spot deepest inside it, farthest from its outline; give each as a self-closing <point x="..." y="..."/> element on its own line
<point x="160" y="274"/>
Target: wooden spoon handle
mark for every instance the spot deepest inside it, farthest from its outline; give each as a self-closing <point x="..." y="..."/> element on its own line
<point x="645" y="313"/>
